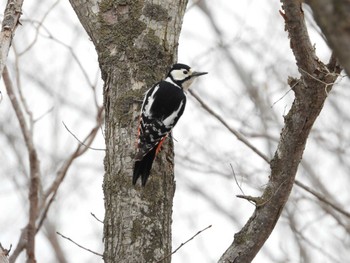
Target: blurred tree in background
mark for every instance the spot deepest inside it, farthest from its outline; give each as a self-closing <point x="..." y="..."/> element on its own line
<point x="53" y="71"/>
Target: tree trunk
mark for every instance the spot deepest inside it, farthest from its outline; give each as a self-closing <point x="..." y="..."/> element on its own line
<point x="136" y="42"/>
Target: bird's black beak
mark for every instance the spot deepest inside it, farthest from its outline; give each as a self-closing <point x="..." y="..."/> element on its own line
<point x="197" y="74"/>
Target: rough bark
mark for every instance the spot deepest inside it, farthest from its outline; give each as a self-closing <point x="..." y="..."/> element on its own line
<point x="136" y="42"/>
<point x="333" y="17"/>
<point x="311" y="91"/>
<point x="88" y="15"/>
<point x="9" y="24"/>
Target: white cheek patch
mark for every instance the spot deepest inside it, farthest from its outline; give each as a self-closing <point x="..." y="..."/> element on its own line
<point x="179" y="75"/>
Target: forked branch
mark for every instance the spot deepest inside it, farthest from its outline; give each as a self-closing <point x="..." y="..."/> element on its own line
<point x="309" y="99"/>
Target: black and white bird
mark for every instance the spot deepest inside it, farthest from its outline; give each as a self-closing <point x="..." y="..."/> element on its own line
<point x="162" y="107"/>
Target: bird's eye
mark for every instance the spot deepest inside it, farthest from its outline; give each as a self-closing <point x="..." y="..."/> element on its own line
<point x="185" y="71"/>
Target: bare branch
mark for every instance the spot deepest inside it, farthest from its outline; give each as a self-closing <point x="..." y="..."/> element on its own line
<point x="10" y="22"/>
<point x="34" y="168"/>
<point x="300" y="43"/>
<point x="91" y="148"/>
<point x="21" y="244"/>
<point x="234" y="176"/>
<point x="4" y="254"/>
<point x="40" y="24"/>
<point x="50" y="232"/>
<point x="251" y="199"/>
<point x="94" y="216"/>
<point x="19" y="89"/>
<point x="76" y="59"/>
<point x="27" y="239"/>
<point x="236" y="133"/>
<point x="182" y="244"/>
<point x="262" y="155"/>
<point x="43" y="115"/>
<point x="75" y="243"/>
<point x="260" y="201"/>
<point x="81" y="148"/>
<point x="50" y="193"/>
<point x="308" y="103"/>
<point x="322" y="199"/>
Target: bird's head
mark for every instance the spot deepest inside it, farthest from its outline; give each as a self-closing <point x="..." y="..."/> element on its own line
<point x="183" y="75"/>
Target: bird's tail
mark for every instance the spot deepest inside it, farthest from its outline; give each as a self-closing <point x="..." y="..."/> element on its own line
<point x="143" y="167"/>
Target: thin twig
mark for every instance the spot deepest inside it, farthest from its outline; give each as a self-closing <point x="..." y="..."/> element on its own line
<point x="251" y="199"/>
<point x="75" y="243"/>
<point x="240" y="137"/>
<point x="91" y="148"/>
<point x="61" y="173"/>
<point x="259" y="201"/>
<point x="285" y="94"/>
<point x="103" y="133"/>
<point x="40" y="24"/>
<point x="99" y="220"/>
<point x="322" y="198"/>
<point x="44" y="114"/>
<point x="240" y="188"/>
<point x="324" y="83"/>
<point x="75" y="57"/>
<point x="182" y="244"/>
<point x="234" y="176"/>
<point x="236" y="133"/>
<point x="78" y="152"/>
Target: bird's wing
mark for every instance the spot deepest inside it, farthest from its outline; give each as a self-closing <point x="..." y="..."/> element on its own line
<point x="162" y="107"/>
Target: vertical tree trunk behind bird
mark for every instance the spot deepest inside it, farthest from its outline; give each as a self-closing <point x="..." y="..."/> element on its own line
<point x="136" y="42"/>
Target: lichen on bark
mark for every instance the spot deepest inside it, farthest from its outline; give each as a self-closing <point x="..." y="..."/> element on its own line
<point x="134" y="52"/>
<point x="136" y="42"/>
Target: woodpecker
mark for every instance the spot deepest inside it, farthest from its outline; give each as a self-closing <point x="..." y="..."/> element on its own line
<point x="162" y="107"/>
